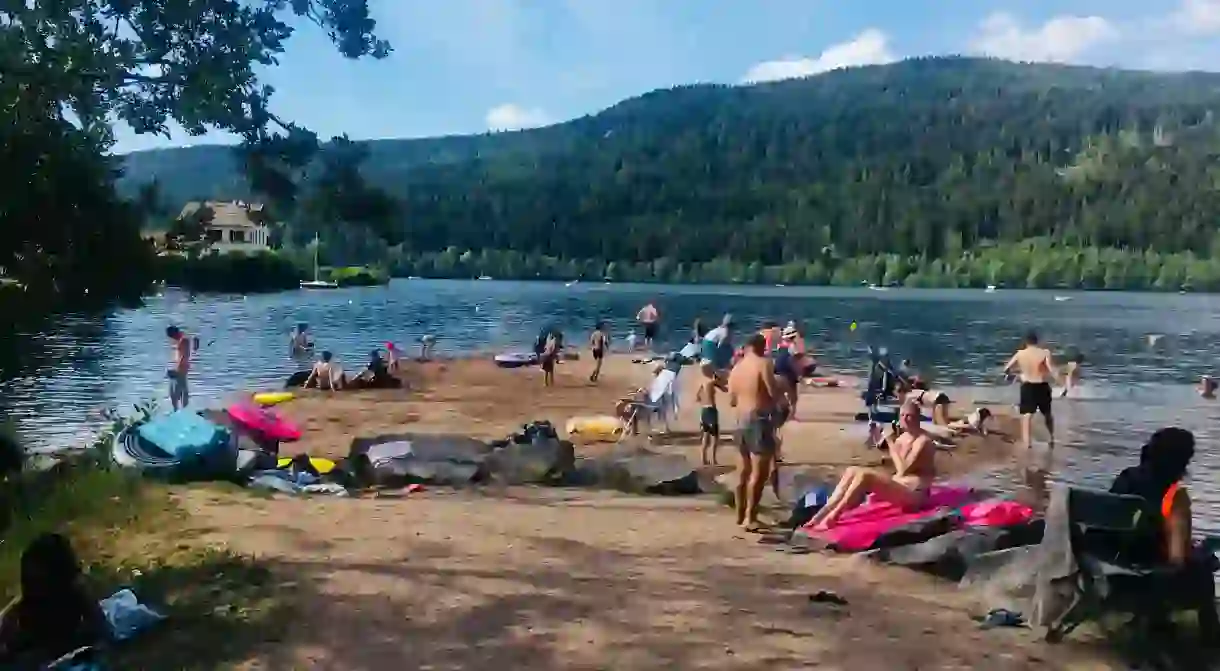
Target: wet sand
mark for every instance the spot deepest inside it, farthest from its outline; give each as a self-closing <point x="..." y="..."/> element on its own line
<point x="570" y="579"/>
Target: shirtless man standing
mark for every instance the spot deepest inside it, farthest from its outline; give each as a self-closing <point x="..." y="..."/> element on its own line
<point x="752" y="390"/>
<point x="1036" y="370"/>
<point x="180" y="365"/>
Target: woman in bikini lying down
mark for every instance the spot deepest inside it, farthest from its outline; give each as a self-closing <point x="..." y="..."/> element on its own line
<point x="975" y="422"/>
<point x="918" y="392"/>
<point x="914" y="457"/>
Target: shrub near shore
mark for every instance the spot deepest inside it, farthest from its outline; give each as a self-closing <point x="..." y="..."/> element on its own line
<point x="129" y="532"/>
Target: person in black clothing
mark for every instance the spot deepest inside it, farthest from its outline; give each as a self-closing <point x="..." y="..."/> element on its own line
<point x="54" y="614"/>
<point x="1158" y="480"/>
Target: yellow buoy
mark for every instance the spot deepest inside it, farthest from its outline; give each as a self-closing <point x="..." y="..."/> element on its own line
<point x="273" y="397"/>
<point x="853" y="326"/>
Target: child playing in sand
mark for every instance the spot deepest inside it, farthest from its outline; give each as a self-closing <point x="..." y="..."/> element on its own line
<point x="709" y="415"/>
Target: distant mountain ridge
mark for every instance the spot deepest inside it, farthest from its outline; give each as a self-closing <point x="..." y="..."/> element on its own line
<point x="925" y="156"/>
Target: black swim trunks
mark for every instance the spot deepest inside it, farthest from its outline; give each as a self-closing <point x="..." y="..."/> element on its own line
<point x="709" y="420"/>
<point x="1035" y="397"/>
<point x="599" y="353"/>
<point x="650" y="331"/>
<point x="547" y="362"/>
<point x="757" y="434"/>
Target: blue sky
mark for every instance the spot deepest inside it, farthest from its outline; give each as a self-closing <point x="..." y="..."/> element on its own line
<point x="466" y="66"/>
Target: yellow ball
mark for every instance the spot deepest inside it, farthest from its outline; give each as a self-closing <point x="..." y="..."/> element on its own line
<point x="853" y="326"/>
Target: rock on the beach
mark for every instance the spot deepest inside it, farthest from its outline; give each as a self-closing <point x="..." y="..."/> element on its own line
<point x="403" y="459"/>
<point x="542" y="460"/>
<point x="638" y="470"/>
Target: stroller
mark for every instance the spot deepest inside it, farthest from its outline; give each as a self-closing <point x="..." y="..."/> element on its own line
<point x="882" y="389"/>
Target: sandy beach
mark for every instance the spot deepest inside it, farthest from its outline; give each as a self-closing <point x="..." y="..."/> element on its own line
<point x="527" y="577"/>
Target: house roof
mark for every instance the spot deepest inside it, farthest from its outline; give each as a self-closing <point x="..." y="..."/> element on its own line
<point x="228" y="214"/>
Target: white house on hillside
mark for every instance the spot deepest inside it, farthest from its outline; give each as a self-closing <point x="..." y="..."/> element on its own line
<point x="232" y="228"/>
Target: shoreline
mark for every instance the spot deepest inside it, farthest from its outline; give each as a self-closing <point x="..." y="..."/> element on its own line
<point x="469" y="395"/>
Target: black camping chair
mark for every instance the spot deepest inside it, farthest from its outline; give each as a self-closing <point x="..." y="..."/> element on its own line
<point x="1107" y="531"/>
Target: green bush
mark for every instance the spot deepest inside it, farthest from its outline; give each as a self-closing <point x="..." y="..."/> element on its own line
<point x="234" y="272"/>
<point x="358" y="276"/>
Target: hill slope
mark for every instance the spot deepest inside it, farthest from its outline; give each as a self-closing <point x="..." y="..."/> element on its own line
<point x="927" y="156"/>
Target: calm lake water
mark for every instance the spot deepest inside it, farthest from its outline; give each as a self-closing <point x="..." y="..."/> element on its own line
<point x="54" y="380"/>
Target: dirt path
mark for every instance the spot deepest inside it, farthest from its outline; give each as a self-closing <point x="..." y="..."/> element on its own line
<point x="543" y="579"/>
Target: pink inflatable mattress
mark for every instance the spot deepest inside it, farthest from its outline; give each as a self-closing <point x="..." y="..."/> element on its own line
<point x="264" y="421"/>
<point x="859" y="528"/>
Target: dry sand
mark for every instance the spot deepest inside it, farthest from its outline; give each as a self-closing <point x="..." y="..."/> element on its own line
<point x="573" y="579"/>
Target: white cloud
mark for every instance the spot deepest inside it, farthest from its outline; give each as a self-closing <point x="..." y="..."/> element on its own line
<point x="510" y="116"/>
<point x="1198" y="17"/>
<point x="1060" y="39"/>
<point x="870" y="47"/>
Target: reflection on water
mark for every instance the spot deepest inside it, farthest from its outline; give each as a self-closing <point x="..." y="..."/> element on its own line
<point x="55" y="379"/>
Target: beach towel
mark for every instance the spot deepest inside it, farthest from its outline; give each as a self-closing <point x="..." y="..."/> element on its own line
<point x="863" y="527"/>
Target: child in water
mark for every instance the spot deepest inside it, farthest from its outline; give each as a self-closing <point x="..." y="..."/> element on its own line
<point x="1071" y="373"/>
<point x="1207" y="387"/>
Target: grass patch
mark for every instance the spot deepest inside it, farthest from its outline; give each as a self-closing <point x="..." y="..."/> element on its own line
<point x="129" y="532"/>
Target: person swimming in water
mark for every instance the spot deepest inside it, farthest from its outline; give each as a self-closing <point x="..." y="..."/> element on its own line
<point x="300" y="343"/>
<point x="1035" y="368"/>
<point x="1207" y="387"/>
<point x="1071" y="374"/>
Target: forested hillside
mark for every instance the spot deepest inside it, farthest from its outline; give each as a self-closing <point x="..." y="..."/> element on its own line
<point x="923" y="158"/>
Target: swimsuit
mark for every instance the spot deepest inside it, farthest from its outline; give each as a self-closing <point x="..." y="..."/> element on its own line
<point x="709" y="420"/>
<point x="757" y="433"/>
<point x="650" y="330"/>
<point x="1035" y="397"/>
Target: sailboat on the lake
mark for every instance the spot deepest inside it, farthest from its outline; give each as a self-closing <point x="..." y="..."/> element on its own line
<point x="317" y="282"/>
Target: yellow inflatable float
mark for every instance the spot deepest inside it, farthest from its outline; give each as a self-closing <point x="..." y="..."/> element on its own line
<point x="273" y="397"/>
<point x="322" y="466"/>
<point x="602" y="427"/>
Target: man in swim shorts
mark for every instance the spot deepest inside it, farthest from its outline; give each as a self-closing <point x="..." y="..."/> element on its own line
<point x="647" y="317"/>
<point x="1036" y="370"/>
<point x="180" y="365"/>
<point x="709" y="415"/>
<point x="752" y="390"/>
<point x="599" y="342"/>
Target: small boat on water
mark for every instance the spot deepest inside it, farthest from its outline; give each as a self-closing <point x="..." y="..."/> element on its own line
<point x="317" y="282"/>
<point x="1060" y="299"/>
<point x="990" y="289"/>
<point x="486" y="277"/>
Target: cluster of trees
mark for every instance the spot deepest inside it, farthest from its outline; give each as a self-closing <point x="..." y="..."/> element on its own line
<point x="70" y="68"/>
<point x="927" y="159"/>
<point x="1033" y="264"/>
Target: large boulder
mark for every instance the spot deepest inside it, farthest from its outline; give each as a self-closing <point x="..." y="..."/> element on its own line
<point x="403" y="459"/>
<point x="536" y="455"/>
<point x="638" y="470"/>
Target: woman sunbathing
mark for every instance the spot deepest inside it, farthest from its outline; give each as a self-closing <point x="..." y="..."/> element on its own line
<point x="918" y="391"/>
<point x="975" y="422"/>
<point x="914" y="457"/>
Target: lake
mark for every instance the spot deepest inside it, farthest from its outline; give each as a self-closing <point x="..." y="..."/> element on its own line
<point x="57" y="377"/>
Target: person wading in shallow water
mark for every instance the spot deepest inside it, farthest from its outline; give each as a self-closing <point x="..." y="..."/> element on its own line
<point x="647" y="317"/>
<point x="179" y="366"/>
<point x="1036" y="370"/>
<point x="753" y="391"/>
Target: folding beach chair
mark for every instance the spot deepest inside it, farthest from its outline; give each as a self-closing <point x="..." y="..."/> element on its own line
<point x="662" y="401"/>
